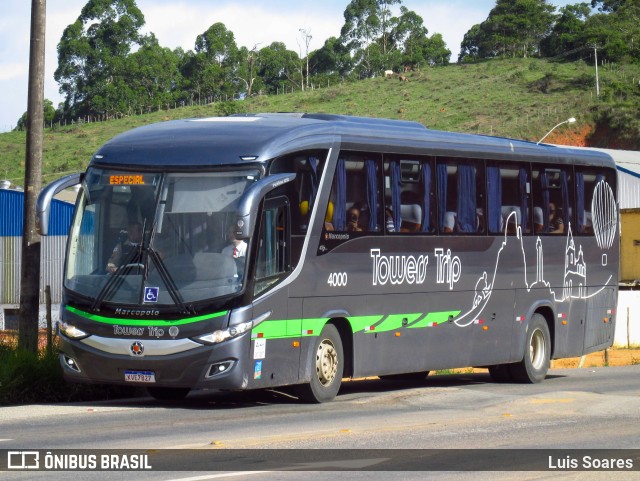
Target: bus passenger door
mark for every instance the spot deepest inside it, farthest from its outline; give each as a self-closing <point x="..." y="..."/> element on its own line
<point x="275" y="352"/>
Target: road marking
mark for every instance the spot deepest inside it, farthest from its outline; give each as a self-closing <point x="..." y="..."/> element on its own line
<point x="552" y="401"/>
<point x="217" y="476"/>
<point x="4" y="440"/>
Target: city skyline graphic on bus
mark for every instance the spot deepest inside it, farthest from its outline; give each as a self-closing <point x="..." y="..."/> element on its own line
<point x="604" y="223"/>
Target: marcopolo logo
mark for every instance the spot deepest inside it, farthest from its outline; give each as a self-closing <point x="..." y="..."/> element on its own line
<point x="398" y="269"/>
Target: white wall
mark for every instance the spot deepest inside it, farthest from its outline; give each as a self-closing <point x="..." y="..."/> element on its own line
<point x="628" y="313"/>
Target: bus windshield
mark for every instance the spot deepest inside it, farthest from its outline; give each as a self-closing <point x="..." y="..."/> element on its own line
<point x="157" y="238"/>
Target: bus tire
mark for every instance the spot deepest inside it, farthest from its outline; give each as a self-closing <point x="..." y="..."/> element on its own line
<point x="537" y="353"/>
<point x="168" y="393"/>
<point x="500" y="373"/>
<point x="327" y="368"/>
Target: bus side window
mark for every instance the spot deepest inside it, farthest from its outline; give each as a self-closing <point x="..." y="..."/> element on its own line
<point x="552" y="200"/>
<point x="273" y="254"/>
<point x="408" y="185"/>
<point x="586" y="181"/>
<point x="460" y="191"/>
<point x="354" y="204"/>
<point x="507" y="199"/>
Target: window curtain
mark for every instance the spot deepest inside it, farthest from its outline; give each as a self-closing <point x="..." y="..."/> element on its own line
<point x="564" y="192"/>
<point x="524" y="199"/>
<point x="396" y="188"/>
<point x="580" y="202"/>
<point x="544" y="183"/>
<point x="372" y="194"/>
<point x="340" y="209"/>
<point x="494" y="199"/>
<point x="426" y="197"/>
<point x="441" y="187"/>
<point x="466" y="209"/>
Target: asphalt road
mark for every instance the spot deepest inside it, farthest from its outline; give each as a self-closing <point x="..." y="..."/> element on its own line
<point x="597" y="409"/>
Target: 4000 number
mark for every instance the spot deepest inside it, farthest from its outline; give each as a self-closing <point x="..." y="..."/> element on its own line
<point x="337" y="279"/>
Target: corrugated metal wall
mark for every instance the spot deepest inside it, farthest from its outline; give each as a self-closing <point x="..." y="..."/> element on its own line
<point x="628" y="188"/>
<point x="52" y="247"/>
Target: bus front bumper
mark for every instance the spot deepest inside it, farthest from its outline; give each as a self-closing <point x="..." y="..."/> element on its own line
<point x="162" y="363"/>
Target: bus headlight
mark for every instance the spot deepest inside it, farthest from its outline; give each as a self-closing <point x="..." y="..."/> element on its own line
<point x="222" y="335"/>
<point x="72" y="332"/>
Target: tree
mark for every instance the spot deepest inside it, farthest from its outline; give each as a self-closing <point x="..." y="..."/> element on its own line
<point x="513" y="28"/>
<point x="566" y="37"/>
<point x="616" y="34"/>
<point x="48" y="111"/>
<point x="152" y="74"/>
<point x="278" y="67"/>
<point x="411" y="36"/>
<point x="332" y="59"/>
<point x="368" y="22"/>
<point x="92" y="51"/>
<point x="470" y="48"/>
<point x="608" y="5"/>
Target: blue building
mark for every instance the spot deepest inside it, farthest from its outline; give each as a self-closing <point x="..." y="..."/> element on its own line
<point x="52" y="251"/>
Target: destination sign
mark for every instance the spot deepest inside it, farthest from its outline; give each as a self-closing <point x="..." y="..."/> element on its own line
<point x="126" y="180"/>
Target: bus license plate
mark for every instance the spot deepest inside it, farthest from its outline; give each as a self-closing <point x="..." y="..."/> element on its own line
<point x="140" y="376"/>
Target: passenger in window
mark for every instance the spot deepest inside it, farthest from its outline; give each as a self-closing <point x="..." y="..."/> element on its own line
<point x="449" y="222"/>
<point x="538" y="220"/>
<point x="123" y="248"/>
<point x="237" y="247"/>
<point x="389" y="223"/>
<point x="353" y="219"/>
<point x="556" y="224"/>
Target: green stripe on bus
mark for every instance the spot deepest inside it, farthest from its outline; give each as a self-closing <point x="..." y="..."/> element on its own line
<point x="283" y="329"/>
<point x="435" y="318"/>
<point x="144" y="322"/>
<point x="395" y="321"/>
<point x="358" y="323"/>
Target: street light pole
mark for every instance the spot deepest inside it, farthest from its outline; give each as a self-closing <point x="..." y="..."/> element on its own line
<point x="568" y="121"/>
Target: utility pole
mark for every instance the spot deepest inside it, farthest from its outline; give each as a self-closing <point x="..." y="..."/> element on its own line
<point x="30" y="268"/>
<point x="307" y="41"/>
<point x="595" y="51"/>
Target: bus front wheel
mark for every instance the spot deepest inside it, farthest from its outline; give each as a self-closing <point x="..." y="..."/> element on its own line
<point x="537" y="353"/>
<point x="327" y="368"/>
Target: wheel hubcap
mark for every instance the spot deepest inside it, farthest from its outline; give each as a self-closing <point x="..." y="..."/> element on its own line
<point x="326" y="362"/>
<point x="537" y="349"/>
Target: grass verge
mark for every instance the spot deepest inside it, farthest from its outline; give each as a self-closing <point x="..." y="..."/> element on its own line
<point x="28" y="378"/>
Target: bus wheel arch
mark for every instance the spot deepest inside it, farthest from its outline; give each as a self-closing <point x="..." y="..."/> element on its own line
<point x="537" y="352"/>
<point x="327" y="366"/>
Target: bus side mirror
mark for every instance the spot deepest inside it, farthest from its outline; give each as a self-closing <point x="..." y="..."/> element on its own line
<point x="247" y="210"/>
<point x="43" y="205"/>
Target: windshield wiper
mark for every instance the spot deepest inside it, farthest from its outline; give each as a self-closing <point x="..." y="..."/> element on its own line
<point x="174" y="292"/>
<point x="117" y="278"/>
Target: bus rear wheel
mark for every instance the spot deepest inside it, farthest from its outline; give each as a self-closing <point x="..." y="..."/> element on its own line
<point x="537" y="353"/>
<point x="328" y="367"/>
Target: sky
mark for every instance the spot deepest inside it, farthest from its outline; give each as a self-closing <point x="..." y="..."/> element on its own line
<point x="177" y="23"/>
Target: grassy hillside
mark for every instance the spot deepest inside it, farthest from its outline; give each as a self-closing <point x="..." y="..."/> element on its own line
<point x="519" y="98"/>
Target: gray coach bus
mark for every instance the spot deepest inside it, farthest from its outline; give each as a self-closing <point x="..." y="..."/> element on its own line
<point x="268" y="250"/>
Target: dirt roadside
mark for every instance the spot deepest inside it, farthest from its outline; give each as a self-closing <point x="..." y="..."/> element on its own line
<point x="610" y="357"/>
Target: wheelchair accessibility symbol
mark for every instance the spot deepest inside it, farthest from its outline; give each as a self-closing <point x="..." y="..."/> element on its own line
<point x="151" y="294"/>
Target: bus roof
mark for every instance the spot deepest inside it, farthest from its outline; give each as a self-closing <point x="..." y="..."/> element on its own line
<point x="251" y="138"/>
